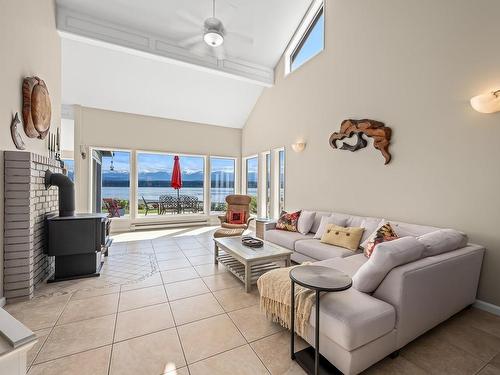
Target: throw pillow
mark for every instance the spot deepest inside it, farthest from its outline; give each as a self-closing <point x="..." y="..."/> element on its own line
<point x="236" y="217"/>
<point x="325" y="220"/>
<point x="288" y="221"/>
<point x="384" y="233"/>
<point x="370" y="224"/>
<point x="348" y="238"/>
<point x="306" y="220"/>
<point x="388" y="256"/>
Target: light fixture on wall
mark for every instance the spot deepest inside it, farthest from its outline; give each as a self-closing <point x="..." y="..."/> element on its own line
<point x="298" y="146"/>
<point x="83" y="152"/>
<point x="487" y="103"/>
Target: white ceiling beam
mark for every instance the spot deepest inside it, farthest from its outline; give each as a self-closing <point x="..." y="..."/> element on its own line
<point x="73" y="24"/>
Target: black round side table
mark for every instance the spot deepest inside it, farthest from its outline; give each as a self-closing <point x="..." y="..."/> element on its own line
<point x="320" y="279"/>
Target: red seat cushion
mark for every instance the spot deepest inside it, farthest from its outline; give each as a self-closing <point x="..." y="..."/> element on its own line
<point x="236" y="217"/>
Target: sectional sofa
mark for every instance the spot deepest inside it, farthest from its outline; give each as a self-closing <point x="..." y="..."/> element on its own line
<point x="359" y="328"/>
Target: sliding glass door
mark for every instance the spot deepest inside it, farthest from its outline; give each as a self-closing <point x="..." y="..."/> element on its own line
<point x="252" y="178"/>
<point x="222" y="180"/>
<point x="111" y="182"/>
<point x="156" y="196"/>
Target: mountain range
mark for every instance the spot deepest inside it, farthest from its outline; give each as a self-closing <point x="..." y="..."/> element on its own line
<point x="163" y="178"/>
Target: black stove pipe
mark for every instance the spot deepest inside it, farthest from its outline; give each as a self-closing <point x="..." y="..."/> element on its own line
<point x="66" y="192"/>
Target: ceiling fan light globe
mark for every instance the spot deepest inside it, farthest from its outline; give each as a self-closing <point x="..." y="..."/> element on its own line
<point x="213" y="39"/>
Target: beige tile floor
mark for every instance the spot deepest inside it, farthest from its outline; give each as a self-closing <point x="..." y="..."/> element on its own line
<point x="162" y="307"/>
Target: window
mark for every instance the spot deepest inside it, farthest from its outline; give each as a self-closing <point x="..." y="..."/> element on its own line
<point x="69" y="164"/>
<point x="309" y="39"/>
<point x="155" y="196"/>
<point x="251" y="170"/>
<point x="111" y="182"/>
<point x="222" y="175"/>
<point x="268" y="185"/>
<point x="281" y="205"/>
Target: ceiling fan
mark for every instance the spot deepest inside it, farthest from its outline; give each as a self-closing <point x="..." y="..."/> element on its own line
<point x="214" y="37"/>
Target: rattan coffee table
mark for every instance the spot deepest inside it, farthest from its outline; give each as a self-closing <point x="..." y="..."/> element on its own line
<point x="248" y="263"/>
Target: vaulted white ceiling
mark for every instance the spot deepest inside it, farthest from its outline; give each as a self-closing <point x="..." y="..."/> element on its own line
<point x="127" y="55"/>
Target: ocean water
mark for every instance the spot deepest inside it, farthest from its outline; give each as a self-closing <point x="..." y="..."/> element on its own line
<point x="218" y="195"/>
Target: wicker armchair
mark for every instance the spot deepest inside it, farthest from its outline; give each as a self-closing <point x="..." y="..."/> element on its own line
<point x="236" y="202"/>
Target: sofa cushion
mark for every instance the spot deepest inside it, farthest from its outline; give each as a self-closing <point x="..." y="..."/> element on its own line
<point x="327" y="220"/>
<point x="306" y="221"/>
<point x="442" y="241"/>
<point x="348" y="265"/>
<point x="386" y="256"/>
<point x="285" y="238"/>
<point x="317" y="220"/>
<point x="352" y="318"/>
<point x="408" y="229"/>
<point x="320" y="251"/>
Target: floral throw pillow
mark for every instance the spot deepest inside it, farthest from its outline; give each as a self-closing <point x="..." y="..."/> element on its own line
<point x="288" y="221"/>
<point x="382" y="234"/>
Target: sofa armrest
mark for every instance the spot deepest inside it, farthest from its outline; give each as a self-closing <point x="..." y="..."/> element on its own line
<point x="430" y="290"/>
<point x="269" y="225"/>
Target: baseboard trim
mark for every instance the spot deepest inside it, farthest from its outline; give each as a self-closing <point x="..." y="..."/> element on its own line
<point x="486" y="306"/>
<point x="2" y="301"/>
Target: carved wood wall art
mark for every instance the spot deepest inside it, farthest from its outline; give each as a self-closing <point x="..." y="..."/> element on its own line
<point x="14" y="132"/>
<point x="380" y="133"/>
<point x="36" y="108"/>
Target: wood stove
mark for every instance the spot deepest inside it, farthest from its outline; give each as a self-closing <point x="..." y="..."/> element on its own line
<point x="77" y="241"/>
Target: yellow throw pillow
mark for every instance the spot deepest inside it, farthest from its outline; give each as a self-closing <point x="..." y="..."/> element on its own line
<point x="348" y="238"/>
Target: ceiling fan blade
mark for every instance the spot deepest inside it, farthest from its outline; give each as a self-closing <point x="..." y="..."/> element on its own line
<point x="189" y="41"/>
<point x="238" y="37"/>
<point x="220" y="53"/>
<point x="189" y="18"/>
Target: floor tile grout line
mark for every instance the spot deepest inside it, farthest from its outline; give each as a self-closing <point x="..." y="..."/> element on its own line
<point x="248" y="342"/>
<point x="236" y="326"/>
<point x="216" y="354"/>
<point x="51" y="331"/>
<point x="69" y="355"/>
<point x="114" y="331"/>
<point x="173" y="317"/>
<point x="481" y="369"/>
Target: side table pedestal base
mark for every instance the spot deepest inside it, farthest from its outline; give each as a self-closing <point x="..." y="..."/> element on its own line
<point x="305" y="359"/>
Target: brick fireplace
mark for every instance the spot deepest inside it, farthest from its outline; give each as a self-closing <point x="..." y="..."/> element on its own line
<point x="27" y="204"/>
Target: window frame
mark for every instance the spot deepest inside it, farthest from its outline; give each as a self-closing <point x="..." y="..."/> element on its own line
<point x="131" y="211"/>
<point x="314" y="13"/>
<point x="206" y="193"/>
<point x="235" y="188"/>
<point x="244" y="180"/>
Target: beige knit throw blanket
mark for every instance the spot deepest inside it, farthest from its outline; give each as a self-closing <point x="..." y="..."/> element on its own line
<point x="274" y="287"/>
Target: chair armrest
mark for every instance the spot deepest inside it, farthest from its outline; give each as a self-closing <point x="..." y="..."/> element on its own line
<point x="249" y="220"/>
<point x="222" y="218"/>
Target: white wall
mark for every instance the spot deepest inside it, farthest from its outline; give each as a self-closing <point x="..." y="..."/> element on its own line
<point x="413" y="65"/>
<point x="30" y="46"/>
<point x="116" y="130"/>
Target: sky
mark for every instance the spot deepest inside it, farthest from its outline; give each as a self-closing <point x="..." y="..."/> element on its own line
<point x="313" y="44"/>
<point x="151" y="163"/>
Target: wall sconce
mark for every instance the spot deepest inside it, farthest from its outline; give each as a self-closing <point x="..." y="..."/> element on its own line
<point x="298" y="146"/>
<point x="486" y="103"/>
<point x="83" y="152"/>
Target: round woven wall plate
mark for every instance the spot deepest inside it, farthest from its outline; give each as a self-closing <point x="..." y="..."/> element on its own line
<point x="36" y="108"/>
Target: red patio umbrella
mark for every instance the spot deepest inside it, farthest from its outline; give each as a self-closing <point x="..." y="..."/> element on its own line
<point x="176" y="181"/>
